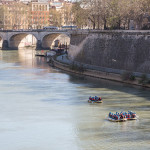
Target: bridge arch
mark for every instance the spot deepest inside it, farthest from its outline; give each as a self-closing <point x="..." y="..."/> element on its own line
<point x="48" y="40"/>
<point x="1" y="41"/>
<point x="20" y="40"/>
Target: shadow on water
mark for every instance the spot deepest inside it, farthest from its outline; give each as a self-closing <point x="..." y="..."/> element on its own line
<point x="27" y="58"/>
<point x="111" y="85"/>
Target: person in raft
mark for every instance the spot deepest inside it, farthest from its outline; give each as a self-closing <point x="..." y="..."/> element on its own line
<point x="90" y="98"/>
<point x="99" y="98"/>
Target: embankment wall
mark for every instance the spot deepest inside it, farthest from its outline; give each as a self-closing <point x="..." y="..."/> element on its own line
<point x="123" y="50"/>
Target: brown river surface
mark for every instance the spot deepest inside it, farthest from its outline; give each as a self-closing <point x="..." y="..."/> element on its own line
<point x="43" y="108"/>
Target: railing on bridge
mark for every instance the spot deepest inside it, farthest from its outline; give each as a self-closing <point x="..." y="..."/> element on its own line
<point x="36" y="30"/>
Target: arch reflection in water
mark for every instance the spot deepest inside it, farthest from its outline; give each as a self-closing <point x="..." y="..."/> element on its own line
<point x="1" y="41"/>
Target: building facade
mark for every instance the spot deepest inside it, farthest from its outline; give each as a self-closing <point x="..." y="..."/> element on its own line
<point x="14" y="15"/>
<point x="39" y="14"/>
<point x="34" y="14"/>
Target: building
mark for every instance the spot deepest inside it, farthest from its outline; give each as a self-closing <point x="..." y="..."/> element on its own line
<point x="67" y="15"/>
<point x="34" y="14"/>
<point x="63" y="9"/>
<point x="39" y="14"/>
<point x="56" y="4"/>
<point x="14" y="15"/>
<point x="55" y="14"/>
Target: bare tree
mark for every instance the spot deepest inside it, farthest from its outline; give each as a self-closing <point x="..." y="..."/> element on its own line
<point x="79" y="15"/>
<point x="55" y="17"/>
<point x="67" y="14"/>
<point x="97" y="12"/>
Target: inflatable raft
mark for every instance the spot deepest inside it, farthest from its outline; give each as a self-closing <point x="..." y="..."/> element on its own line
<point x="117" y="120"/>
<point x="95" y="101"/>
<point x="131" y="116"/>
<point x="122" y="116"/>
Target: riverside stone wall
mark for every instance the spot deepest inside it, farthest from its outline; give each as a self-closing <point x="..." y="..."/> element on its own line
<point x="123" y="50"/>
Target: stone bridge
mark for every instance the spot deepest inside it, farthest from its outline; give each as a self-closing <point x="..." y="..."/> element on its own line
<point x="11" y="39"/>
<point x="44" y="39"/>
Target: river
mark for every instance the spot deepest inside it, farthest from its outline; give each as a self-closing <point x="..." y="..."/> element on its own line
<point x="43" y="108"/>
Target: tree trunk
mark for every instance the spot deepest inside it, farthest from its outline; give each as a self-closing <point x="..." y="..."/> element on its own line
<point x="93" y="21"/>
<point x="94" y="25"/>
<point x="119" y="24"/>
<point x="98" y="21"/>
<point x="105" y="26"/>
<point x="128" y="23"/>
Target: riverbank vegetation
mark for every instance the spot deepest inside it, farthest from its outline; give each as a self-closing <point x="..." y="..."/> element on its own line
<point x="144" y="80"/>
<point x="77" y="67"/>
<point x="128" y="76"/>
